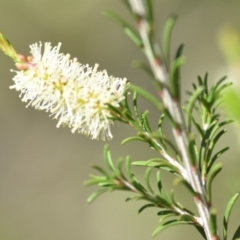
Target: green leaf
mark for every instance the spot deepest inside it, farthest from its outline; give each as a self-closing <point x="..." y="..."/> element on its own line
<point x="98" y="178"/>
<point x="108" y="159"/>
<point x="170" y="118"/>
<point x="148" y="139"/>
<point x="160" y="123"/>
<point x="236" y="235"/>
<point x="174" y="77"/>
<point x="192" y="148"/>
<point x="166" y="38"/>
<point x="200" y="81"/>
<point x="170" y="215"/>
<point x="159" y="182"/>
<point x="145" y="122"/>
<point x="133" y="36"/>
<point x="205" y="83"/>
<point x="166" y="214"/>
<point x="177" y="181"/>
<point x="135" y="107"/>
<point x="107" y="184"/>
<point x="168" y="224"/>
<point x="227" y="214"/>
<point x="170" y="144"/>
<point x="135" y="197"/>
<point x="222" y="87"/>
<point x="211" y="175"/>
<point x="194" y="86"/>
<point x="159" y="164"/>
<point x="131" y="176"/>
<point x="172" y="198"/>
<point x="177" y="204"/>
<point x="213" y="143"/>
<point x="119" y="167"/>
<point x="175" y="73"/>
<point x="148" y="96"/>
<point x="198" y="127"/>
<point x="217" y="126"/>
<point x="162" y="201"/>
<point x="201" y="231"/>
<point x="133" y="138"/>
<point x="149" y="9"/>
<point x="215" y="157"/>
<point x="147" y="180"/>
<point x="99" y="169"/>
<point x="144" y="163"/>
<point x="179" y="51"/>
<point x="96" y="194"/>
<point x="212" y="96"/>
<point x="138" y="185"/>
<point x="213" y="222"/>
<point x="91" y="182"/>
<point x="126" y="105"/>
<point x="128" y="167"/>
<point x="130" y="32"/>
<point x="220" y="81"/>
<point x="191" y="104"/>
<point x="187" y="217"/>
<point x="146" y="206"/>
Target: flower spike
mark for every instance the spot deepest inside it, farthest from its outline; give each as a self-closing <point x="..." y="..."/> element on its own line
<point x="75" y="94"/>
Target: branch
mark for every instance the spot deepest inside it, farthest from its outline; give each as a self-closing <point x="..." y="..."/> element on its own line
<point x="172" y="105"/>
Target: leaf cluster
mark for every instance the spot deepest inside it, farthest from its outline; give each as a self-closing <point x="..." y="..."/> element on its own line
<point x="121" y="177"/>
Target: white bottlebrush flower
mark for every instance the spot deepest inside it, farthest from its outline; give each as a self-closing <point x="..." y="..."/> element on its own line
<point x="75" y="94"/>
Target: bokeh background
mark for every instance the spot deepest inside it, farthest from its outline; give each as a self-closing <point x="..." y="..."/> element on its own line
<point x="42" y="168"/>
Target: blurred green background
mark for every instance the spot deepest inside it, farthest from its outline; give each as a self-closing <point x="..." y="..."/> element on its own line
<point x="42" y="168"/>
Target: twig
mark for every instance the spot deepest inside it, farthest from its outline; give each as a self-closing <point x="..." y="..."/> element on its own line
<point x="149" y="196"/>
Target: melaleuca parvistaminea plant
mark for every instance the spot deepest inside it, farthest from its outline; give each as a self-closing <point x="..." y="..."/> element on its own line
<point x="89" y="102"/>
